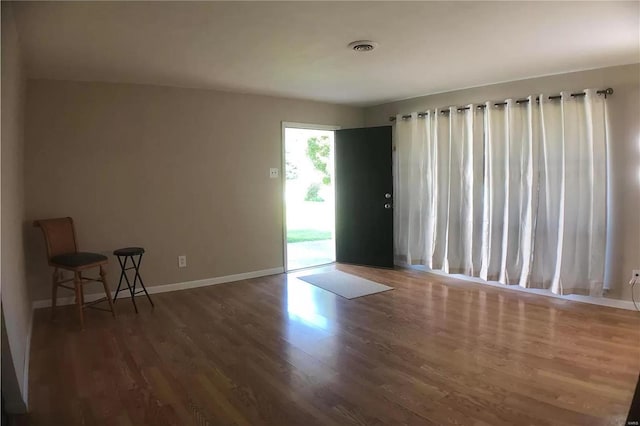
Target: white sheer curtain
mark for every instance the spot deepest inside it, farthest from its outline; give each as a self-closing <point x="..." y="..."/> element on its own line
<point x="514" y="193"/>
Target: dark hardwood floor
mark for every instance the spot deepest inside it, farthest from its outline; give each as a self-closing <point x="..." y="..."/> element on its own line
<point x="279" y="351"/>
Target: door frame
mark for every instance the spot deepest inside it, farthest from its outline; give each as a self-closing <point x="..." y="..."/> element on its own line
<point x="283" y="177"/>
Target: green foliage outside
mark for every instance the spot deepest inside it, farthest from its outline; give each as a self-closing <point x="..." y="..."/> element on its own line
<point x="318" y="152"/>
<point x="302" y="235"/>
<point x="291" y="171"/>
<point x="312" y="193"/>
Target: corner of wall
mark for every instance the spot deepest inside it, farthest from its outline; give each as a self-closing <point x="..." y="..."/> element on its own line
<point x="16" y="300"/>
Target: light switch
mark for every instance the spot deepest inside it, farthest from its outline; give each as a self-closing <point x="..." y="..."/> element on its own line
<point x="273" y="173"/>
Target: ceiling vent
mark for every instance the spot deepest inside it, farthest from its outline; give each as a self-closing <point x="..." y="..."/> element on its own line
<point x="363" y="45"/>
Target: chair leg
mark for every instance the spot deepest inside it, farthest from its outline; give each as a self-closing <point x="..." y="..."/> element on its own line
<point x="81" y="289"/>
<point x="54" y="292"/>
<point x="103" y="278"/>
<point x="138" y="277"/>
<point x="78" y="286"/>
<point x="122" y="270"/>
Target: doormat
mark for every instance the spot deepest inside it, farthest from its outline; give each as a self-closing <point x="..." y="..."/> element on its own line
<point x="345" y="285"/>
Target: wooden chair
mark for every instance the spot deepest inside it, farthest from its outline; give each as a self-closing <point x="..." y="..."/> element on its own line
<point x="63" y="254"/>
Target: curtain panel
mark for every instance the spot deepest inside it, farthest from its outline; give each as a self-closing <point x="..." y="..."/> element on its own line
<point x="513" y="193"/>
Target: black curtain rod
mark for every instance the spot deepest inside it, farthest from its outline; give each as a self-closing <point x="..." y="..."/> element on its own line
<point x="605" y="92"/>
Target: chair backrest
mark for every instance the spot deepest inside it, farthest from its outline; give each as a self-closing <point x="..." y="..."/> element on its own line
<point x="59" y="235"/>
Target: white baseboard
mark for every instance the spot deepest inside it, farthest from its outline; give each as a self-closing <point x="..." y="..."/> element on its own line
<point x="168" y="287"/>
<point x="602" y="301"/>
<point x="27" y="359"/>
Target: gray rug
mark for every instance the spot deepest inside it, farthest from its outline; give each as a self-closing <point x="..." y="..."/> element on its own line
<point x="345" y="285"/>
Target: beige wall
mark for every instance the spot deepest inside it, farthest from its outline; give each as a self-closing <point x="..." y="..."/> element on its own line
<point x="624" y="147"/>
<point x="16" y="302"/>
<point x="183" y="171"/>
<point x="177" y="171"/>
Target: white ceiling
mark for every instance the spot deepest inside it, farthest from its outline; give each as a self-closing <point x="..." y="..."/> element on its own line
<point x="299" y="49"/>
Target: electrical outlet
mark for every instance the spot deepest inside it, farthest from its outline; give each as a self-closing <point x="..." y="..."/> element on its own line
<point x="635" y="275"/>
<point x="273" y="173"/>
<point x="182" y="261"/>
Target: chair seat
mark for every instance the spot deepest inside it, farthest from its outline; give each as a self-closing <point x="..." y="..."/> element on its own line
<point x="74" y="260"/>
<point x="129" y="251"/>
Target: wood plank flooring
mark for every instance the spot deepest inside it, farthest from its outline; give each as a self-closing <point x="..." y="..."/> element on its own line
<point x="279" y="351"/>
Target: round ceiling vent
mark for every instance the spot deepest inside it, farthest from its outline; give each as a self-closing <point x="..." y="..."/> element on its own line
<point x="363" y="45"/>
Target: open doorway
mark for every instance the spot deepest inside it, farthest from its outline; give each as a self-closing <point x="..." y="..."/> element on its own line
<point x="309" y="195"/>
